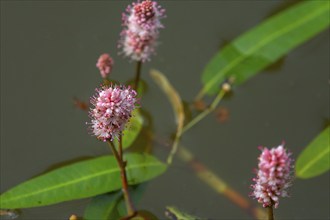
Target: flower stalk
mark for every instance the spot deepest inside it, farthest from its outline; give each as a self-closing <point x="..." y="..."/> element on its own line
<point x="270" y="213"/>
<point x="122" y="166"/>
<point x="113" y="106"/>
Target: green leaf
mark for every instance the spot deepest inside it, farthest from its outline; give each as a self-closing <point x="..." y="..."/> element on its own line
<point x="81" y="180"/>
<point x="103" y="207"/>
<point x="111" y="205"/>
<point x="265" y="44"/>
<point x="314" y="160"/>
<point x="132" y="130"/>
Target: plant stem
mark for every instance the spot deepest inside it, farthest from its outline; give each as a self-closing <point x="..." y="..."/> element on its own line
<point x="122" y="165"/>
<point x="174" y="146"/>
<point x="120" y="147"/>
<point x="199" y="117"/>
<point x="137" y="75"/>
<point x="270" y="213"/>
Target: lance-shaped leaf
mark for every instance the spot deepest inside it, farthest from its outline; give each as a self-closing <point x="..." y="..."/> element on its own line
<point x="81" y="180"/>
<point x="265" y="44"/>
<point x="314" y="160"/>
<point x="132" y="130"/>
<point x="177" y="106"/>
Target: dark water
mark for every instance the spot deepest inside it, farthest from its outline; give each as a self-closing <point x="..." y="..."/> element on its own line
<point x="48" y="55"/>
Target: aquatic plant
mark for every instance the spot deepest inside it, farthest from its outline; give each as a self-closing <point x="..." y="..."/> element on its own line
<point x="115" y="181"/>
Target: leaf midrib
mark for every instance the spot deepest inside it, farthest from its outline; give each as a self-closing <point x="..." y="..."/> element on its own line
<point x="312" y="162"/>
<point x="80" y="179"/>
<point x="260" y="45"/>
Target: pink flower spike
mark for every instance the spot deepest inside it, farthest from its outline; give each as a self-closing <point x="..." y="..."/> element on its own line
<point x="274" y="176"/>
<point x="141" y="29"/>
<point x="113" y="106"/>
<point x="105" y="64"/>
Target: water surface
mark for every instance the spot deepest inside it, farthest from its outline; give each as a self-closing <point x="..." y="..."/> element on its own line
<point x="48" y="55"/>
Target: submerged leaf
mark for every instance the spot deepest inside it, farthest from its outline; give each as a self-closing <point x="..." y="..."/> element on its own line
<point x="177" y="106"/>
<point x="81" y="180"/>
<point x="314" y="160"/>
<point x="265" y="44"/>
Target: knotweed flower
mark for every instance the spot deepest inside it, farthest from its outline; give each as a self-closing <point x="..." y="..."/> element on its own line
<point x="273" y="176"/>
<point x="113" y="106"/>
<point x="105" y="63"/>
<point x="141" y="29"/>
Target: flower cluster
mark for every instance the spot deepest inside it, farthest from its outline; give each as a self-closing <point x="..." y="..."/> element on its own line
<point x="141" y="29"/>
<point x="104" y="64"/>
<point x="273" y="176"/>
<point x="113" y="108"/>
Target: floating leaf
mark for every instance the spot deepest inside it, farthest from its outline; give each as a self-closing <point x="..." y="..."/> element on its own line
<point x="314" y="160"/>
<point x="177" y="105"/>
<point x="132" y="130"/>
<point x="174" y="213"/>
<point x="265" y="44"/>
<point x="81" y="180"/>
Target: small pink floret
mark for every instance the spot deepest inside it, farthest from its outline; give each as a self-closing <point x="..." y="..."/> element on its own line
<point x="274" y="176"/>
<point x="105" y="64"/>
<point x="113" y="106"/>
<point x="141" y="29"/>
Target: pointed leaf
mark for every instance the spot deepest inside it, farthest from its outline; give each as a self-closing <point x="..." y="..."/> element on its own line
<point x="265" y="44"/>
<point x="80" y="180"/>
<point x="314" y="160"/>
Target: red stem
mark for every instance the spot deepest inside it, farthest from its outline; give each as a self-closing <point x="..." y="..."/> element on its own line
<point x="122" y="165"/>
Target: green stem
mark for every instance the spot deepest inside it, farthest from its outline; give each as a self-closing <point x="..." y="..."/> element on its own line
<point x="137" y="75"/>
<point x="270" y="213"/>
<point x="174" y="147"/>
<point x="199" y="117"/>
<point x="122" y="165"/>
